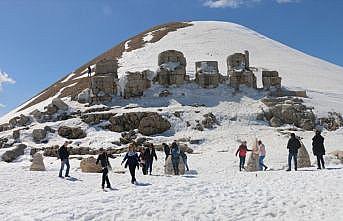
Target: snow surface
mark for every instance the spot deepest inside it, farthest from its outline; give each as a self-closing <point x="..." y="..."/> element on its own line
<point x="214" y="189"/>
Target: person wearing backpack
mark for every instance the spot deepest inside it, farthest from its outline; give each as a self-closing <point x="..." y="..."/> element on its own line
<point x="63" y="155"/>
<point x="132" y="160"/>
<point x="105" y="165"/>
<point x="175" y="157"/>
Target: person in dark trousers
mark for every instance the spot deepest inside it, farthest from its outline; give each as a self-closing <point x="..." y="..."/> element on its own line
<point x="105" y="164"/>
<point x="175" y="157"/>
<point x="293" y="146"/>
<point x="63" y="154"/>
<point x="318" y="149"/>
<point x="166" y="149"/>
<point x="143" y="160"/>
<point x="89" y="71"/>
<point x="242" y="153"/>
<point x="184" y="159"/>
<point x="150" y="155"/>
<point x="132" y="160"/>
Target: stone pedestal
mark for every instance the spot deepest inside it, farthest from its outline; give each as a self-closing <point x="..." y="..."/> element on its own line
<point x="169" y="170"/>
<point x="37" y="163"/>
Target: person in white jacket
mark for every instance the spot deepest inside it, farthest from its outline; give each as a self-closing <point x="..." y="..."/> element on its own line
<point x="262" y="155"/>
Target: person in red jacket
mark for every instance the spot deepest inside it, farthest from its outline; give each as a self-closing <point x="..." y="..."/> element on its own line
<point x="242" y="151"/>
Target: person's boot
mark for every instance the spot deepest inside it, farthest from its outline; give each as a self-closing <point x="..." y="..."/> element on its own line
<point x="289" y="169"/>
<point x="265" y="168"/>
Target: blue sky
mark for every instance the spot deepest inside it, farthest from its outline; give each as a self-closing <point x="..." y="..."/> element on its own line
<point x="43" y="40"/>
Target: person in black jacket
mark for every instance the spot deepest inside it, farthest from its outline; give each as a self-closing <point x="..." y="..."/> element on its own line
<point x="105" y="164"/>
<point x="132" y="160"/>
<point x="143" y="160"/>
<point x="318" y="149"/>
<point x="63" y="154"/>
<point x="150" y="155"/>
<point x="166" y="149"/>
<point x="293" y="146"/>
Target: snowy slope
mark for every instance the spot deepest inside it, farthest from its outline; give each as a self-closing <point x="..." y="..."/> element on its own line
<point x="209" y="40"/>
<point x="212" y="40"/>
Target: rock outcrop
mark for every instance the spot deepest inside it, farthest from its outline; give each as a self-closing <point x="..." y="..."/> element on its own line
<point x="148" y="123"/>
<point x="332" y="122"/>
<point x="153" y="124"/>
<point x="89" y="165"/>
<point x="96" y="118"/>
<point x="37" y="163"/>
<point x="39" y="135"/>
<point x="289" y="111"/>
<point x="71" y="132"/>
<point x="11" y="155"/>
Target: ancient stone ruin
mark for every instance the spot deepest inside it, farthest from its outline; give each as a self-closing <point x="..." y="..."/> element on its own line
<point x="239" y="72"/>
<point x="172" y="68"/>
<point x="207" y="74"/>
<point x="135" y="84"/>
<point x="103" y="84"/>
<point x="271" y="79"/>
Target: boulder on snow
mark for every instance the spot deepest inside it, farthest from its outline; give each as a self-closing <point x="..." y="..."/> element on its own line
<point x="71" y="132"/>
<point x="275" y="122"/>
<point x="84" y="96"/>
<point x="61" y="105"/>
<point x="153" y="124"/>
<point x="89" y="165"/>
<point x="338" y="154"/>
<point x="96" y="118"/>
<point x="11" y="155"/>
<point x="38" y="135"/>
<point x="37" y="163"/>
<point x="209" y="121"/>
<point x="169" y="169"/>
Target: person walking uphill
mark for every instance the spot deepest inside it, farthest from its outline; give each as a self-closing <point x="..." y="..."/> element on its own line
<point x="132" y="160"/>
<point x="242" y="151"/>
<point x="293" y="146"/>
<point x="63" y="155"/>
<point x="318" y="149"/>
<point x="150" y="155"/>
<point x="175" y="157"/>
<point x="105" y="164"/>
<point x="262" y="155"/>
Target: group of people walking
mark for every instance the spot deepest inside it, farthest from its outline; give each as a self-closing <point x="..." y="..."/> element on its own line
<point x="146" y="156"/>
<point x="293" y="146"/>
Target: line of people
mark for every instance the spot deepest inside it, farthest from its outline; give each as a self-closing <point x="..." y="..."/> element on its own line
<point x="293" y="147"/>
<point x="144" y="158"/>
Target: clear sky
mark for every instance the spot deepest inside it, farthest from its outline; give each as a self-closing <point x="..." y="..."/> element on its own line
<point x="43" y="40"/>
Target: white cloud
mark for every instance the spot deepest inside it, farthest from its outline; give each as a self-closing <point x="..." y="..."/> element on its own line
<point x="5" y="78"/>
<point x="239" y="3"/>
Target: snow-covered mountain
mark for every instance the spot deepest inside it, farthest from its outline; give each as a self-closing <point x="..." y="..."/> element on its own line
<point x="213" y="189"/>
<point x="211" y="40"/>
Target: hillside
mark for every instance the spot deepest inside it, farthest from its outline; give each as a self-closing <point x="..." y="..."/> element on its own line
<point x="208" y="123"/>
